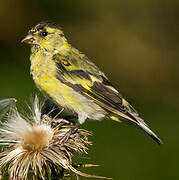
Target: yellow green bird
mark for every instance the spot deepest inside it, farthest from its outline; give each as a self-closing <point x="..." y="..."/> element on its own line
<point x="66" y="76"/>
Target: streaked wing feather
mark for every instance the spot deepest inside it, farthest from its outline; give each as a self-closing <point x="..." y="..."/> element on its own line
<point x="95" y="87"/>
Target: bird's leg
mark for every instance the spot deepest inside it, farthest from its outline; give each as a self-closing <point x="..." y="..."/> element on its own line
<point x="68" y="133"/>
<point x="81" y="119"/>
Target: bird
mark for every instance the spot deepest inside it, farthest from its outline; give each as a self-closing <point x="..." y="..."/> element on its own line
<point x="73" y="82"/>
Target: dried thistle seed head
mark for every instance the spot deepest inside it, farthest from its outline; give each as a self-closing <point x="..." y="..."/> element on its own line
<point x="32" y="147"/>
<point x="37" y="137"/>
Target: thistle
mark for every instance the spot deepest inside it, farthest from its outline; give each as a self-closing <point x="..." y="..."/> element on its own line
<point x="31" y="146"/>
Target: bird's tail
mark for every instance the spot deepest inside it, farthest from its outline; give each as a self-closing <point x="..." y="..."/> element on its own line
<point x="138" y="122"/>
<point x="141" y="124"/>
<point x="131" y="116"/>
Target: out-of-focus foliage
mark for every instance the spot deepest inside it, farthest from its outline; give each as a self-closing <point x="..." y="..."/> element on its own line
<point x="136" y="44"/>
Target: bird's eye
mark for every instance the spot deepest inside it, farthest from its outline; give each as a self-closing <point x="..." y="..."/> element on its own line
<point x="44" y="33"/>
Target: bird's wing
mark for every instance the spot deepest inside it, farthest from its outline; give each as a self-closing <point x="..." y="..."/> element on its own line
<point x="86" y="79"/>
<point x="89" y="81"/>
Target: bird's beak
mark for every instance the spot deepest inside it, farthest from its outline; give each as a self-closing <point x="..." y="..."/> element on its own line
<point x="29" y="39"/>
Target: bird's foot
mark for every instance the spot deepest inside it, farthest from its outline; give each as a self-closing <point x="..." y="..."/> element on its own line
<point x="65" y="138"/>
<point x="68" y="134"/>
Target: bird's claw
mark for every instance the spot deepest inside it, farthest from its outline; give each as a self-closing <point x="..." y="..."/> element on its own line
<point x="65" y="138"/>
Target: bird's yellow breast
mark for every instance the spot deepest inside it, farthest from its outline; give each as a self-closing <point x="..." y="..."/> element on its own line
<point x="43" y="70"/>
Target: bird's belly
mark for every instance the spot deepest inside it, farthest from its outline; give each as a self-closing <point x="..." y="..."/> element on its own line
<point x="66" y="97"/>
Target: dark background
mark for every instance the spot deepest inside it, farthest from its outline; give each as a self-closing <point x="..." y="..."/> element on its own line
<point x="136" y="44"/>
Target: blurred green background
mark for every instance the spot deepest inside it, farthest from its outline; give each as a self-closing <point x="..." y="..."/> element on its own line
<point x="136" y="44"/>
